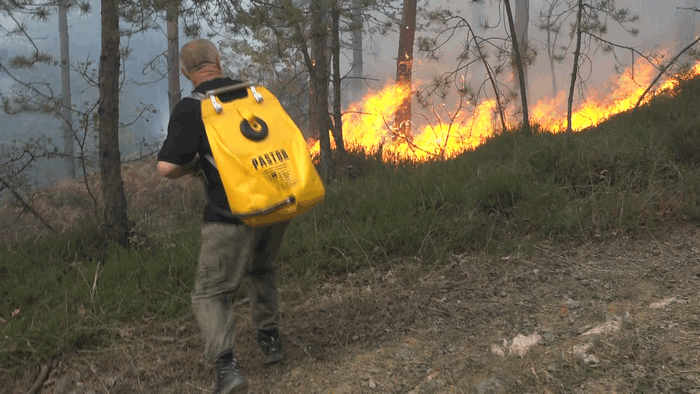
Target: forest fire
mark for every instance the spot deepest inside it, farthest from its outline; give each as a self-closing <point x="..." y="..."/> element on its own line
<point x="625" y="93"/>
<point x="441" y="133"/>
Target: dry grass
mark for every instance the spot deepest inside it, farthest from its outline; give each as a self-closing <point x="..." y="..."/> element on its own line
<point x="69" y="203"/>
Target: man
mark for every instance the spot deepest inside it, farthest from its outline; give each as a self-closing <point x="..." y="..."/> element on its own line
<point x="231" y="252"/>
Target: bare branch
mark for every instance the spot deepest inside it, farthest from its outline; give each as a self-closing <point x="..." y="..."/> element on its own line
<point x="663" y="71"/>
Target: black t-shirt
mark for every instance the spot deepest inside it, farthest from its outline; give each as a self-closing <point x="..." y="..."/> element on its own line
<point x="187" y="137"/>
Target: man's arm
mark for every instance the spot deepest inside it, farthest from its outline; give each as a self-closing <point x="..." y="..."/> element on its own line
<point x="178" y="156"/>
<point x="174" y="171"/>
<point x="171" y="171"/>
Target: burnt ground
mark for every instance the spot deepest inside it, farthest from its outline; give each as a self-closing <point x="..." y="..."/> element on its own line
<point x="619" y="315"/>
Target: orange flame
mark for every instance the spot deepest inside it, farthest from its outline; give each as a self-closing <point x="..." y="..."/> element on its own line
<point x="369" y="124"/>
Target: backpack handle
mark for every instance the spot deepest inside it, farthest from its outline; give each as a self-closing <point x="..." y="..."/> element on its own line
<point x="214" y="92"/>
<point x="252" y="127"/>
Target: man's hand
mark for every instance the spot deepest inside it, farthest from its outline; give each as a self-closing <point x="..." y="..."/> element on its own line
<point x="174" y="171"/>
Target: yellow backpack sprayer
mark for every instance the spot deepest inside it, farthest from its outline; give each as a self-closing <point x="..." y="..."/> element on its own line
<point x="261" y="155"/>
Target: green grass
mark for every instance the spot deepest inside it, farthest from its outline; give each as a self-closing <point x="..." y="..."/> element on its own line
<point x="50" y="282"/>
<point x="635" y="173"/>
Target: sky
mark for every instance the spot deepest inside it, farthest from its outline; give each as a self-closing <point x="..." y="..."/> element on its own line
<point x="659" y="21"/>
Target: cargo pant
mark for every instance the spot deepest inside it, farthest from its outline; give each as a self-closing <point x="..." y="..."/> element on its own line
<point x="231" y="254"/>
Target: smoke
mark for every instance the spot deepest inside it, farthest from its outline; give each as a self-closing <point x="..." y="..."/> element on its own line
<point x="659" y="25"/>
<point x="662" y="26"/>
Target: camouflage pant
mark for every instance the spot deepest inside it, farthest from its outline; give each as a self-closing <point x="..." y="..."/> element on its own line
<point x="232" y="253"/>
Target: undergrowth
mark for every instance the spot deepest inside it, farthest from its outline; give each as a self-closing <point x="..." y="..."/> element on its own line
<point x="634" y="173"/>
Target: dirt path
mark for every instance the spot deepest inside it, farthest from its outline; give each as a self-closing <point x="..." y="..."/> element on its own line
<point x="619" y="316"/>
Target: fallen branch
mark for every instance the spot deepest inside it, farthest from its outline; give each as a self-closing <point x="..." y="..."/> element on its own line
<point x="663" y="71"/>
<point x="43" y="374"/>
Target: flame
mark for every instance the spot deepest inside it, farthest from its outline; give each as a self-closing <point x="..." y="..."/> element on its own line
<point x="626" y="90"/>
<point x="368" y="125"/>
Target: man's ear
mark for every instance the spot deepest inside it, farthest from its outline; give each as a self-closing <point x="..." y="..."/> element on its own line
<point x="184" y="72"/>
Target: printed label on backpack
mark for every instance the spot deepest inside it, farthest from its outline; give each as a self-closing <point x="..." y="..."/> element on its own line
<point x="280" y="176"/>
<point x="266" y="159"/>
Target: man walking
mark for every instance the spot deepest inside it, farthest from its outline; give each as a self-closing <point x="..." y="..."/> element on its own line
<point x="231" y="252"/>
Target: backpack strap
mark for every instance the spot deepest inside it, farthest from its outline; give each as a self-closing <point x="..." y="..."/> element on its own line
<point x="210" y="159"/>
<point x="200" y="97"/>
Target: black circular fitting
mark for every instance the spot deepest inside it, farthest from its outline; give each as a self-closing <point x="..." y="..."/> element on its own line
<point x="250" y="133"/>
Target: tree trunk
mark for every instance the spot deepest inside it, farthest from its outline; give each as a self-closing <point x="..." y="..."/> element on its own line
<point x="404" y="64"/>
<point x="522" y="22"/>
<point x="551" y="47"/>
<point x="314" y="125"/>
<point x="574" y="72"/>
<point x="478" y="73"/>
<point x="66" y="113"/>
<point x="172" y="13"/>
<point x="116" y="220"/>
<point x="357" y="62"/>
<point x="519" y="67"/>
<point x="320" y="79"/>
<point x="314" y="131"/>
<point x="337" y="80"/>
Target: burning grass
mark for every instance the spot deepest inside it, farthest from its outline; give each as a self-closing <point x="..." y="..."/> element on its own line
<point x="440" y="133"/>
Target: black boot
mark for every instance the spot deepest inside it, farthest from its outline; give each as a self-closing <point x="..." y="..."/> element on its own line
<point x="230" y="379"/>
<point x="269" y="341"/>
